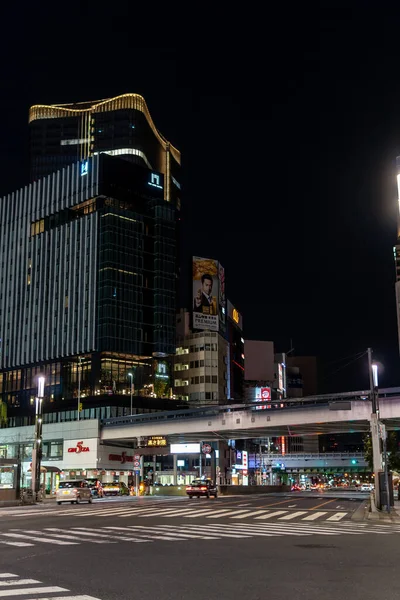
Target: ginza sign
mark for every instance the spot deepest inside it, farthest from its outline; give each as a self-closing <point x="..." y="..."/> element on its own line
<point x="122" y="458"/>
<point x="79" y="448"/>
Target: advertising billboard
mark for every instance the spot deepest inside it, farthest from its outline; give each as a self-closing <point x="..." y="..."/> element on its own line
<point x="206" y="293"/>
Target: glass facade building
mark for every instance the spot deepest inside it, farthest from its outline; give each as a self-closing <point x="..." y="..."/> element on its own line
<point x="88" y="284"/>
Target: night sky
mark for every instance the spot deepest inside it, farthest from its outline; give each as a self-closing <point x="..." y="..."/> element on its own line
<point x="289" y="126"/>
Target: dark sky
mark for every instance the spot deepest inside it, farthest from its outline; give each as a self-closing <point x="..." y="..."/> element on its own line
<point x="289" y="126"/>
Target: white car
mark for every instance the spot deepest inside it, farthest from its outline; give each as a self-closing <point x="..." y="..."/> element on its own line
<point x="366" y="487"/>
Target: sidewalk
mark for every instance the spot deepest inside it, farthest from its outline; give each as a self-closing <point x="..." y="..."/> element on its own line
<point x="382" y="516"/>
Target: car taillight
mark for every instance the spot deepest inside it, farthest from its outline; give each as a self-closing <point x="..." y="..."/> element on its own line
<point x="203" y="488"/>
<point x="188" y="487"/>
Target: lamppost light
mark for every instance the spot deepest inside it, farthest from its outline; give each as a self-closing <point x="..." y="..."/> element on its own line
<point x="375" y="374"/>
<point x="41" y="381"/>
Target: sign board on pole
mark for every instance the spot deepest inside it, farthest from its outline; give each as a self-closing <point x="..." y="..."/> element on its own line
<point x="206" y="449"/>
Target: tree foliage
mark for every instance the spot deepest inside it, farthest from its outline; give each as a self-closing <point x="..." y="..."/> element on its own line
<point x="392" y="449"/>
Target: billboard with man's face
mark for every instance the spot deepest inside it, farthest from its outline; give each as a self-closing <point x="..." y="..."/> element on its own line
<point x="206" y="293"/>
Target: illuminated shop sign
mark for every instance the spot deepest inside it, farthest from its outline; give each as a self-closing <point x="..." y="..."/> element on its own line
<point x="84" y="168"/>
<point x="155" y="181"/>
<point x="79" y="448"/>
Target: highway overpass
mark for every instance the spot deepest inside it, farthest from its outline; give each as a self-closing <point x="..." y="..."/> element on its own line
<point x="339" y="413"/>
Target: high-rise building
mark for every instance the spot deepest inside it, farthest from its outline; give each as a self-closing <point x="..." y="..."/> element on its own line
<point x="63" y="134"/>
<point x="88" y="285"/>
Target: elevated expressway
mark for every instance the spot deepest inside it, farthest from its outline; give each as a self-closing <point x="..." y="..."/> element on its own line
<point x="349" y="412"/>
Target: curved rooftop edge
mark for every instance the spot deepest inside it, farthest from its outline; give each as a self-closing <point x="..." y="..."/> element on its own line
<point x="124" y="101"/>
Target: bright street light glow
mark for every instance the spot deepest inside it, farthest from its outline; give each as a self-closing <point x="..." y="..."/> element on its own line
<point x="130" y="375"/>
<point x="41" y="381"/>
<point x="375" y="374"/>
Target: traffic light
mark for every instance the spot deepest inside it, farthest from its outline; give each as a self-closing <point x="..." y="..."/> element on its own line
<point x="353" y="461"/>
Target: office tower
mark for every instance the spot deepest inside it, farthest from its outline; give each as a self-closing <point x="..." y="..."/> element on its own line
<point x="88" y="285"/>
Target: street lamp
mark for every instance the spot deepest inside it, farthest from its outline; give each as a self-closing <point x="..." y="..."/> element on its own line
<point x="131" y="376"/>
<point x="383" y="436"/>
<point x="37" y="449"/>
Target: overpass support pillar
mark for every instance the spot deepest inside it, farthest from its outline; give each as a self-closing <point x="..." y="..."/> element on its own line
<point x="225" y="461"/>
<point x="175" y="469"/>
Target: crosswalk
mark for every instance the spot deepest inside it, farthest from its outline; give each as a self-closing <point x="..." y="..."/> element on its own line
<point x="211" y="512"/>
<point x="13" y="586"/>
<point x="139" y="534"/>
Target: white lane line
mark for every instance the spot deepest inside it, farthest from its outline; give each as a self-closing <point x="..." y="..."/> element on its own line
<point x="337" y="516"/>
<point x="25" y="591"/>
<point x="19" y="582"/>
<point x="314" y="516"/>
<point x="163" y="512"/>
<point x="7" y="575"/>
<point x="272" y="514"/>
<point x="65" y="535"/>
<point x="255" y="532"/>
<point x="152" y="536"/>
<point x="38" y="539"/>
<point x="18" y="544"/>
<point x="292" y="505"/>
<point x="201" y="513"/>
<point x="176" y="515"/>
<point x="96" y="532"/>
<point x="230" y="535"/>
<point x="250" y="513"/>
<point x="172" y="529"/>
<point x="292" y="515"/>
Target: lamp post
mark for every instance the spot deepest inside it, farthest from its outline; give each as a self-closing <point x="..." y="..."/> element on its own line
<point x="376" y="449"/>
<point x="131" y="376"/>
<point x="37" y="449"/>
<point x="383" y="436"/>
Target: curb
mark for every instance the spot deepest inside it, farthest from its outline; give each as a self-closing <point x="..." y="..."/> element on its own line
<point x="362" y="512"/>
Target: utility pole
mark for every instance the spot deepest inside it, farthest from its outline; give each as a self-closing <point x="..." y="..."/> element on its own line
<point x="376" y="448"/>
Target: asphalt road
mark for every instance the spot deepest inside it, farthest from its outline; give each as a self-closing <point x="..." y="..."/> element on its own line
<point x="131" y="549"/>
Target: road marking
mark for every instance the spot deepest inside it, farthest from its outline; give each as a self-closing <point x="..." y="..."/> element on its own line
<point x="322" y="504"/>
<point x="292" y="505"/>
<point x="18" y="544"/>
<point x="88" y="532"/>
<point x="7" y="575"/>
<point x="19" y="582"/>
<point x="67" y="536"/>
<point x="37" y="590"/>
<point x="314" y="516"/>
<point x="292" y="515"/>
<point x="249" y="513"/>
<point x="201" y="513"/>
<point x="38" y="539"/>
<point x="272" y="514"/>
<point x="219" y="513"/>
<point x="337" y="516"/>
<point x="277" y="503"/>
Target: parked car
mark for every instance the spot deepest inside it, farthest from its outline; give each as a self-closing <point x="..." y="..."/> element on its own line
<point x="202" y="487"/>
<point x="117" y="488"/>
<point x="73" y="491"/>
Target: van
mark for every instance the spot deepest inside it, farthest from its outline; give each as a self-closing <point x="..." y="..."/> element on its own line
<point x="73" y="491"/>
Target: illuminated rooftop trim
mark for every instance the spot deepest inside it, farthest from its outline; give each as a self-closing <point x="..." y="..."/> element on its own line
<point x="124" y="101"/>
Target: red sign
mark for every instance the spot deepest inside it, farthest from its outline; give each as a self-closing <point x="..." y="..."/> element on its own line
<point x="244" y="460"/>
<point x="137" y="457"/>
<point x="79" y="448"/>
<point x="206" y="449"/>
<point x="266" y="393"/>
<point x="122" y="458"/>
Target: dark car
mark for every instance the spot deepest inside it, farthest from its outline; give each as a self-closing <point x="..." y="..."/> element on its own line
<point x="202" y="487"/>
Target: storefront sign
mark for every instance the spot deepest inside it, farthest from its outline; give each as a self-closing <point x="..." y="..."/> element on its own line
<point x="122" y="458"/>
<point x="79" y="448"/>
<point x="154" y="441"/>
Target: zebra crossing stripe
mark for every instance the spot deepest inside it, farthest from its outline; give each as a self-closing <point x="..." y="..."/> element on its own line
<point x="39" y="539"/>
<point x="314" y="516"/>
<point x="35" y="590"/>
<point x="17" y="544"/>
<point x="67" y="536"/>
<point x="19" y="582"/>
<point x="88" y="532"/>
<point x="177" y="531"/>
<point x="337" y="516"/>
<point x="272" y="514"/>
<point x="249" y="513"/>
<point x="292" y="515"/>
